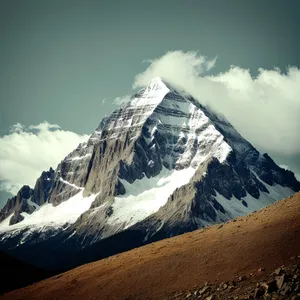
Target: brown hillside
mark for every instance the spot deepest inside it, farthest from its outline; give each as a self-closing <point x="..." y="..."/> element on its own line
<point x="265" y="239"/>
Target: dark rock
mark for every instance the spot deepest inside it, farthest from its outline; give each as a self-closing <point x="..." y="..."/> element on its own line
<point x="16" y="218"/>
<point x="119" y="189"/>
<point x="285" y="289"/>
<point x="244" y="203"/>
<point x="232" y="283"/>
<point x="270" y="286"/>
<point x="258" y="292"/>
<point x="212" y="297"/>
<point x="278" y="271"/>
<point x="204" y="290"/>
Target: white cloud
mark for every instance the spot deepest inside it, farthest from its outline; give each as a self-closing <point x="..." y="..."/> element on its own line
<point x="174" y="67"/>
<point x="265" y="109"/>
<point x="26" y="152"/>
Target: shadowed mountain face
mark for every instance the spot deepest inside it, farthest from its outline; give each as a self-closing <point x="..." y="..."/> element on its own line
<point x="17" y="274"/>
<point x="159" y="166"/>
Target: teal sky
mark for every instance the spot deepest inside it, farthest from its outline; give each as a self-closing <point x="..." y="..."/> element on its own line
<point x="60" y="59"/>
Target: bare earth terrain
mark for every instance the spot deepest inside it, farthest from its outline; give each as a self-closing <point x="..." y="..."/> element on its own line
<point x="252" y="246"/>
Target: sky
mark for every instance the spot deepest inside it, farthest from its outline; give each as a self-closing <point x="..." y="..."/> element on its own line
<point x="65" y="64"/>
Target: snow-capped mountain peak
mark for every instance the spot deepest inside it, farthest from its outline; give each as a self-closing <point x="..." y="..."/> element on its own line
<point x="160" y="165"/>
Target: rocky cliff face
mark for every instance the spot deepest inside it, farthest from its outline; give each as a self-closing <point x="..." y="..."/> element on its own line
<point x="16" y="205"/>
<point x="27" y="199"/>
<point x="160" y="165"/>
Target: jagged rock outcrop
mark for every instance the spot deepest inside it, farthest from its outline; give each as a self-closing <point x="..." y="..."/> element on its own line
<point x="160" y="165"/>
<point x="43" y="187"/>
<point x="27" y="199"/>
<point x="17" y="204"/>
<point x="16" y="218"/>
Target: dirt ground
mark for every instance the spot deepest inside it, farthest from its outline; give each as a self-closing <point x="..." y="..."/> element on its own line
<point x="265" y="239"/>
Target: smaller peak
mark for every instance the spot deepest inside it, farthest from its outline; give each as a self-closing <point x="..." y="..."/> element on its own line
<point x="159" y="82"/>
<point x="25" y="191"/>
<point x="156" y="79"/>
<point x="156" y="82"/>
<point x="156" y="85"/>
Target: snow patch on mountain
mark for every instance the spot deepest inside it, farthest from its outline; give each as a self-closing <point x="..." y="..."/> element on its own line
<point x="70" y="184"/>
<point x="235" y="208"/>
<point x="81" y="157"/>
<point x="144" y="197"/>
<point x="53" y="216"/>
<point x="36" y="207"/>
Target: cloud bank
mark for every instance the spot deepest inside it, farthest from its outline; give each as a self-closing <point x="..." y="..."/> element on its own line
<point x="264" y="109"/>
<point x="27" y="151"/>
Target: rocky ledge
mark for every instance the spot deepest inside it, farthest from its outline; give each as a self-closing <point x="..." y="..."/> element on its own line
<point x="283" y="283"/>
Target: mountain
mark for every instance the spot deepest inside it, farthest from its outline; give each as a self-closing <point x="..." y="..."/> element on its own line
<point x="246" y="250"/>
<point x="159" y="166"/>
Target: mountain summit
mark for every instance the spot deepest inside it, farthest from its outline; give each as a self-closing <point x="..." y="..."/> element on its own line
<point x="159" y="166"/>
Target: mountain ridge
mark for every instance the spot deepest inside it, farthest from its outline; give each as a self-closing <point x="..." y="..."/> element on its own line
<point x="161" y="165"/>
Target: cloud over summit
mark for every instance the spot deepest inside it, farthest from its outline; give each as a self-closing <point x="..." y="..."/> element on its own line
<point x="265" y="109"/>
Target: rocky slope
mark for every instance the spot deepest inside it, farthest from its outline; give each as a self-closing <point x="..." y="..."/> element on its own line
<point x="159" y="166"/>
<point x="234" y="260"/>
<point x="282" y="283"/>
